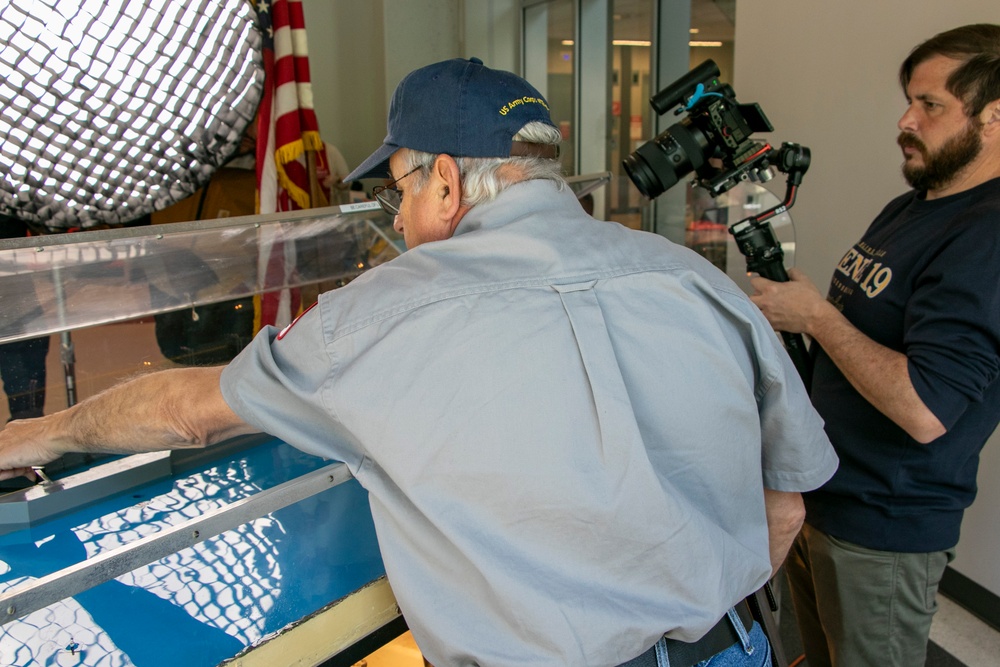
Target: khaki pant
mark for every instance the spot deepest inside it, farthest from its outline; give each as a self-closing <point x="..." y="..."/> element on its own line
<point x="858" y="607"/>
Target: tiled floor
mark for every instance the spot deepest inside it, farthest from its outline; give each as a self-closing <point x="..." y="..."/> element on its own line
<point x="962" y="635"/>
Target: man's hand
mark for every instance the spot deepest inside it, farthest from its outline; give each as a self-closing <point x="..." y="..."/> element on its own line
<point x="794" y="306"/>
<point x="25" y="443"/>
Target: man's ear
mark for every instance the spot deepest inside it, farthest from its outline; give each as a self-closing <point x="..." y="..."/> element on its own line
<point x="447" y="185"/>
<point x="991" y="117"/>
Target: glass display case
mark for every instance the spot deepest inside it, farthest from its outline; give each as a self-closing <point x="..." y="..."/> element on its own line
<point x="169" y="559"/>
<point x="62" y="282"/>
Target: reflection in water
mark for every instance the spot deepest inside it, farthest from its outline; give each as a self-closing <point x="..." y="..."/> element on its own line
<point x="203" y="604"/>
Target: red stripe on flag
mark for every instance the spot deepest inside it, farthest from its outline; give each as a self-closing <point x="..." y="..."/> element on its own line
<point x="296" y="18"/>
<point x="288" y="124"/>
<point x="301" y="68"/>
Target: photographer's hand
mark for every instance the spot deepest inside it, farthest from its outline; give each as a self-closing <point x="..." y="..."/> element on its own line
<point x="794" y="306"/>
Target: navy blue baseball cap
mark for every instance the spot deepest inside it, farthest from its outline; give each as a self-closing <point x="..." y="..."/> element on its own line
<point x="461" y="108"/>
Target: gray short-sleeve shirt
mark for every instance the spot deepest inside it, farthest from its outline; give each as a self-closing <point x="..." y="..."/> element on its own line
<point x="564" y="427"/>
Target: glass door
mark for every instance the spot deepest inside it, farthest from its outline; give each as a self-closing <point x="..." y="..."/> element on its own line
<point x="632" y="120"/>
<point x="649" y="43"/>
<point x="549" y="29"/>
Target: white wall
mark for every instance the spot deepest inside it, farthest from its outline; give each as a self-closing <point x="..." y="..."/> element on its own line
<point x="825" y="74"/>
<point x="418" y="33"/>
<point x="491" y="32"/>
<point x="347" y="64"/>
<point x="359" y="50"/>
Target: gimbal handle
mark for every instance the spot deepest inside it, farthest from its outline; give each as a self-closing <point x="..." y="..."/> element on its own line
<point x="755" y="238"/>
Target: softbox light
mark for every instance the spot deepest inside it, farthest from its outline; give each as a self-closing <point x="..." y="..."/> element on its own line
<point x="110" y="109"/>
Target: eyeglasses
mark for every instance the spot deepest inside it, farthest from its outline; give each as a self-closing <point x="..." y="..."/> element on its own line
<point x="388" y="197"/>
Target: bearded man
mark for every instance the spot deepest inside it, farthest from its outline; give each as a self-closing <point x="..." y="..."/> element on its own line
<point x="906" y="353"/>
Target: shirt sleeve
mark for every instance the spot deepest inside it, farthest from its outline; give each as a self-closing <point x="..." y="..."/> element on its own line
<point x="796" y="453"/>
<point x="280" y="384"/>
<point x="952" y="322"/>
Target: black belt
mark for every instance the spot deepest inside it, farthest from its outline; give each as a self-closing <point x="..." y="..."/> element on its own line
<point x="685" y="654"/>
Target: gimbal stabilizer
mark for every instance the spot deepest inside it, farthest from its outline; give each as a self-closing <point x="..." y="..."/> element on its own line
<point x="757" y="242"/>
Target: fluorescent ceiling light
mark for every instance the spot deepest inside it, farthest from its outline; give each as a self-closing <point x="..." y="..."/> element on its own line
<point x="644" y="42"/>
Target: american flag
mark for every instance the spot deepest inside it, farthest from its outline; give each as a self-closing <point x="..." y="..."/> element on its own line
<point x="286" y="130"/>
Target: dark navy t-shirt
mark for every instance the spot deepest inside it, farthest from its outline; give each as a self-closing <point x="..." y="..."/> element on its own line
<point x="924" y="280"/>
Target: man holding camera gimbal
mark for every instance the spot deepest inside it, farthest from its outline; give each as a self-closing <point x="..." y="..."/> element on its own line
<point x="906" y="360"/>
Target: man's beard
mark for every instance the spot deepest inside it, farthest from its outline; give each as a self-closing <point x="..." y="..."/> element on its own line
<point x="941" y="167"/>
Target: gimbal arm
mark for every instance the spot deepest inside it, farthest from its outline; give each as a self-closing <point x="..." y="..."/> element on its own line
<point x="755" y="238"/>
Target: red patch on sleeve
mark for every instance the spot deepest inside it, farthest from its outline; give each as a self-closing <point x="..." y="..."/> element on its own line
<point x="282" y="333"/>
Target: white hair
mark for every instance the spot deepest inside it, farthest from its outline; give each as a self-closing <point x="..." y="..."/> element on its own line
<point x="483" y="178"/>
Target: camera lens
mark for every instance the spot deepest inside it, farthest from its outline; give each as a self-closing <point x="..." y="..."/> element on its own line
<point x="657" y="165"/>
<point x="651" y="168"/>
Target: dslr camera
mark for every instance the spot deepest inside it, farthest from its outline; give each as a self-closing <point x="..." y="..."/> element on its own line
<point x="713" y="140"/>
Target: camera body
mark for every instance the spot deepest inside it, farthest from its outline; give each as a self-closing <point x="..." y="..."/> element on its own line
<point x="713" y="140"/>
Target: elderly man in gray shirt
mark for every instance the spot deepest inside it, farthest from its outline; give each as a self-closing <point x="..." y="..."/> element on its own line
<point x="583" y="444"/>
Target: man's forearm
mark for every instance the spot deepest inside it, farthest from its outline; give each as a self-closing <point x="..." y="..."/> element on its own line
<point x="876" y="372"/>
<point x="881" y="375"/>
<point x="167" y="410"/>
<point x="785" y="515"/>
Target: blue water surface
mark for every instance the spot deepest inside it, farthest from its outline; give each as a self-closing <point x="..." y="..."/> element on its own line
<point x="203" y="604"/>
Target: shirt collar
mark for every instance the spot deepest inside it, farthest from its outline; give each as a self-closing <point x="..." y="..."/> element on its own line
<point x="532" y="197"/>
